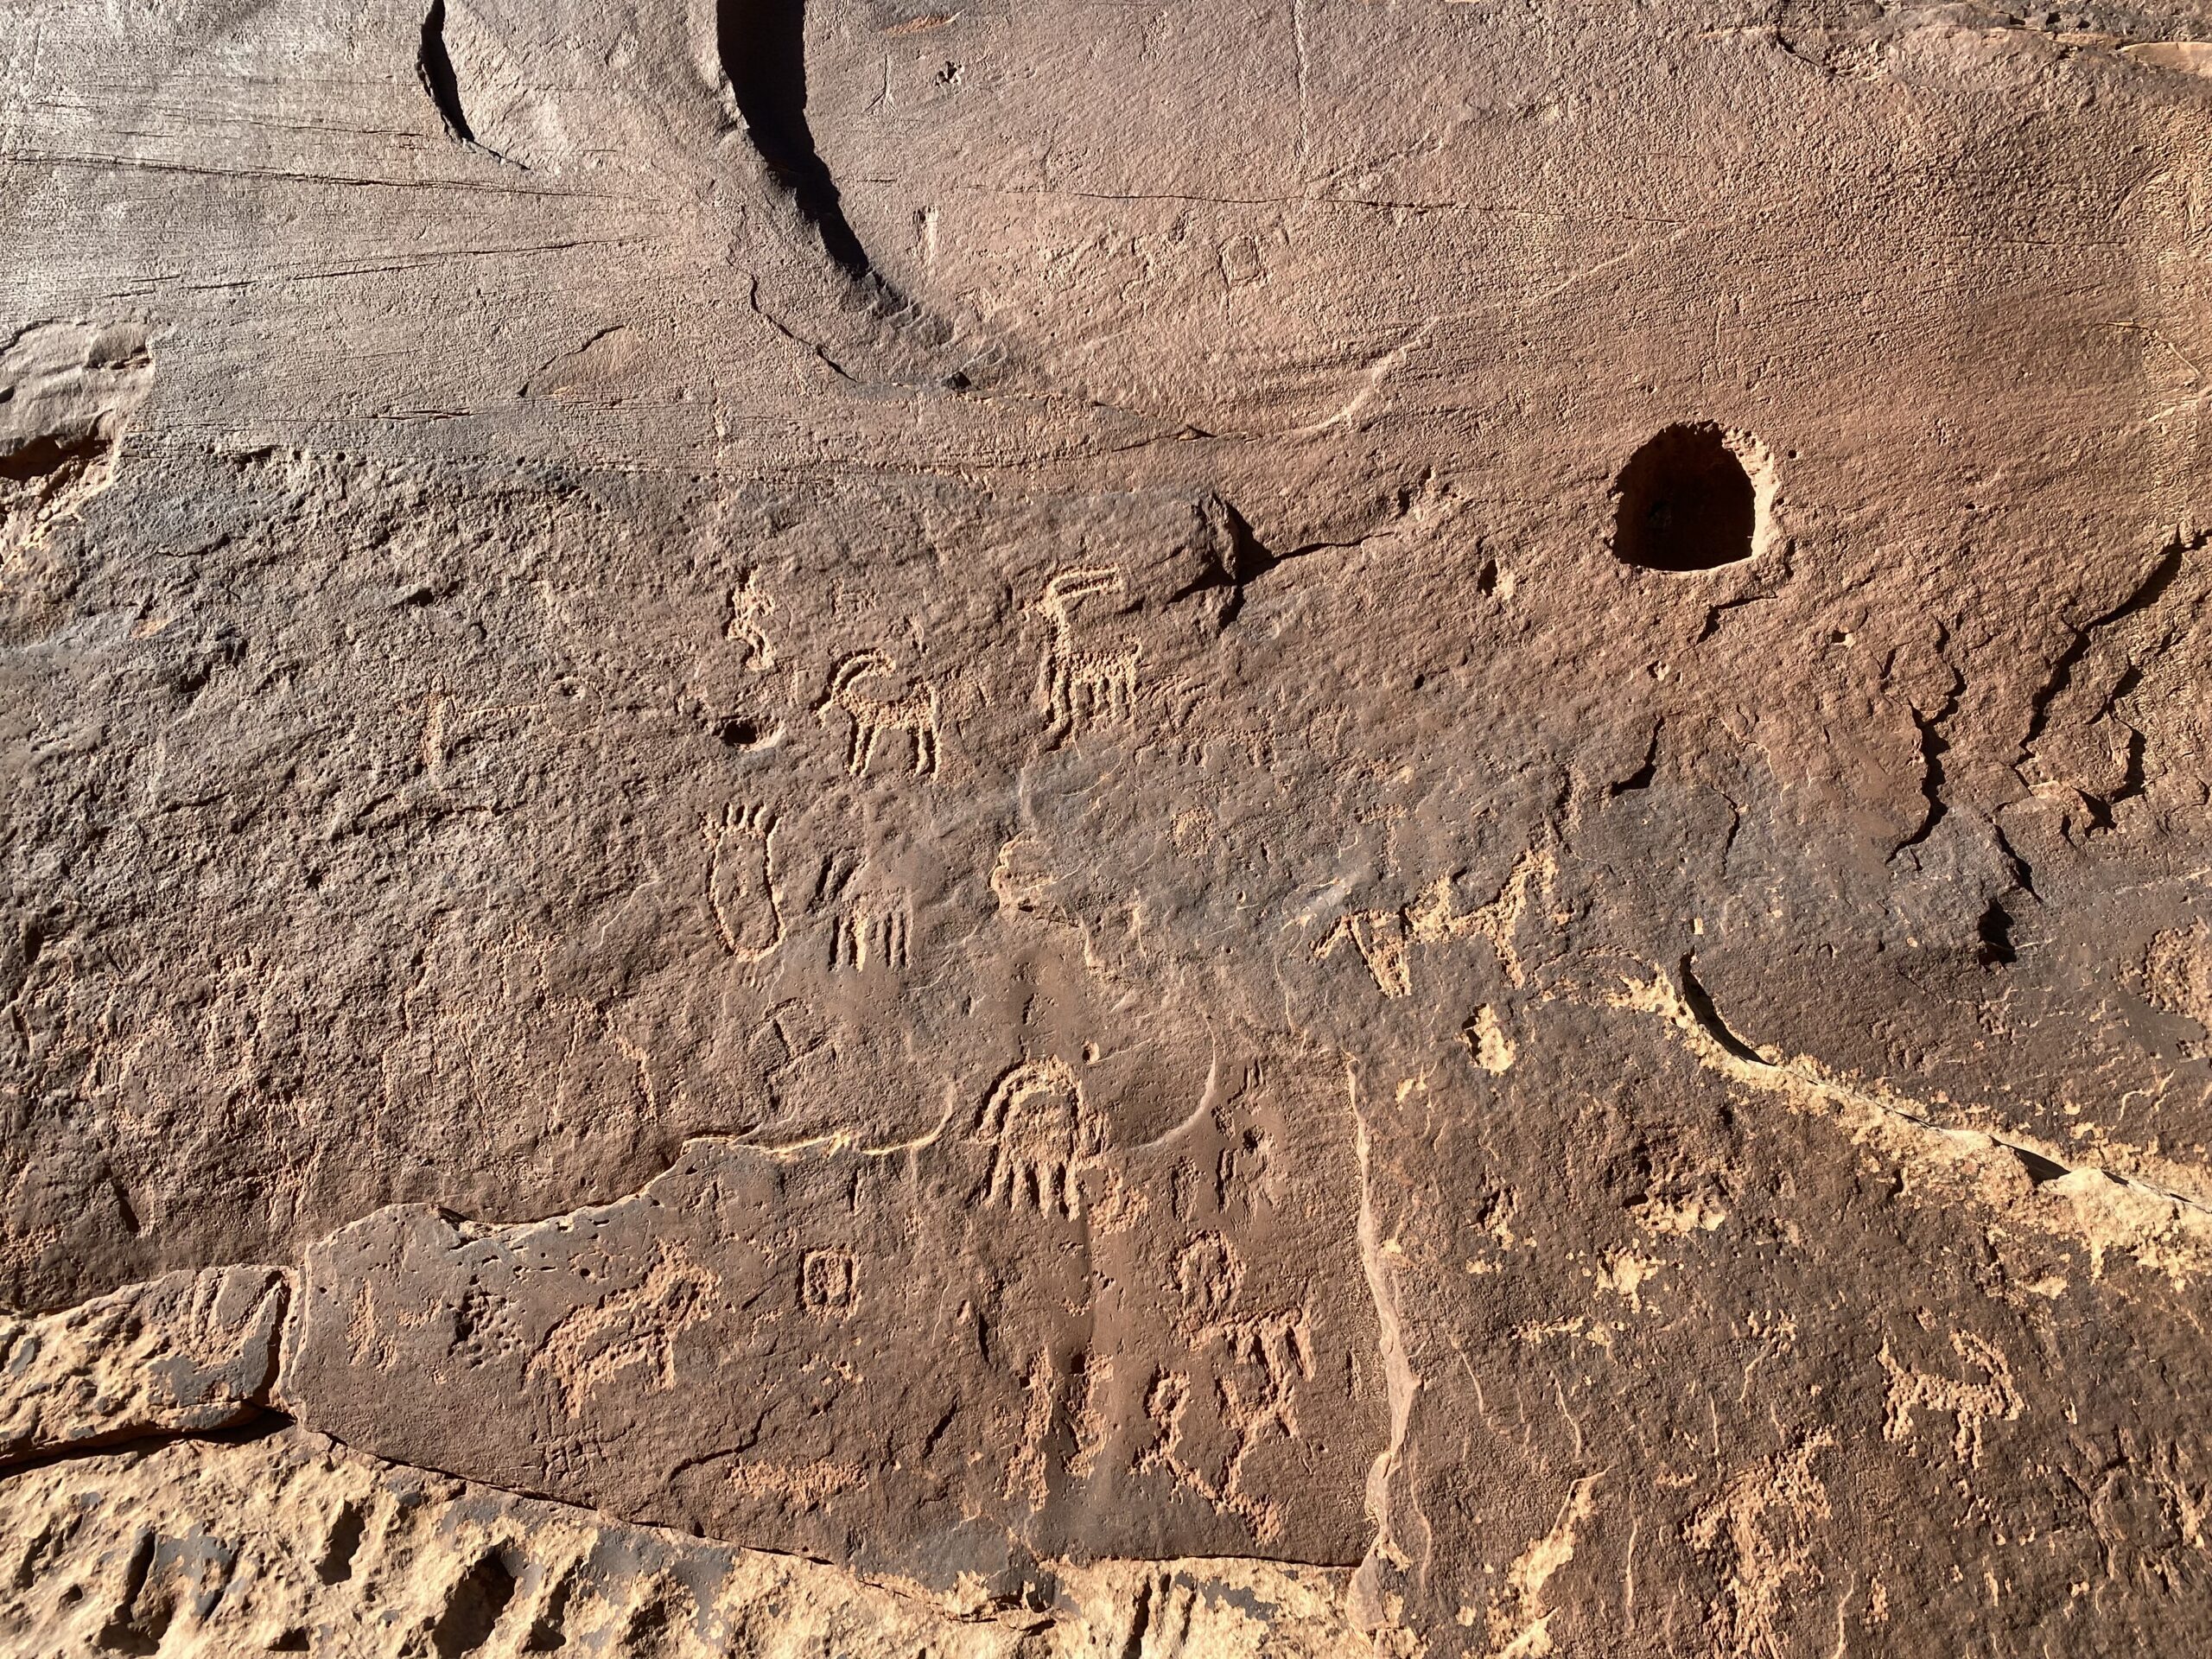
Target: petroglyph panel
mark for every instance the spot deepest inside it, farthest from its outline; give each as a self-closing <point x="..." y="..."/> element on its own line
<point x="926" y="1359"/>
<point x="1012" y="793"/>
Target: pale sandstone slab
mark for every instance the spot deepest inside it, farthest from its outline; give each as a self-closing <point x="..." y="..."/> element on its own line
<point x="289" y="1543"/>
<point x="184" y="1353"/>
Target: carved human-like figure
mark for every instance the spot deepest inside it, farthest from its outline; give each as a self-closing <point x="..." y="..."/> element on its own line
<point x="747" y="605"/>
<point x="1259" y="1360"/>
<point x="1042" y="1134"/>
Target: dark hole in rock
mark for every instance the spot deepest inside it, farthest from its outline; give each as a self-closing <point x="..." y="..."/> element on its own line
<point x="1686" y="503"/>
<point x="548" y="1631"/>
<point x="739" y="731"/>
<point x="337" y="1563"/>
<point x="434" y="65"/>
<point x="473" y="1609"/>
<point x="51" y="456"/>
<point x="763" y="47"/>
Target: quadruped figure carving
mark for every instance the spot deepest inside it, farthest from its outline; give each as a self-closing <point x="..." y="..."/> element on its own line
<point x="1075" y="680"/>
<point x="913" y="711"/>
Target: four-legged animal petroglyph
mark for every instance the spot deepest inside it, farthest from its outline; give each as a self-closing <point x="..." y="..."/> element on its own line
<point x="913" y="712"/>
<point x="1042" y="1134"/>
<point x="1384" y="937"/>
<point x="1074" y="680"/>
<point x="1970" y="1404"/>
<point x="638" y="1326"/>
<point x="741" y="881"/>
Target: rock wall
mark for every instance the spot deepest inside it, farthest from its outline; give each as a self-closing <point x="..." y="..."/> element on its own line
<point x="1219" y="827"/>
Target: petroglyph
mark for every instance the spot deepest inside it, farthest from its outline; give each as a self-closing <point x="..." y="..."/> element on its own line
<point x="748" y="605"/>
<point x="1042" y="1136"/>
<point x="1025" y="1470"/>
<point x="1208" y="1276"/>
<point x="829" y="1282"/>
<point x="803" y="1485"/>
<point x="1971" y="1404"/>
<point x="721" y="1348"/>
<point x="1090" y="1379"/>
<point x="485" y="1328"/>
<point x="741" y="881"/>
<point x="1759" y="1535"/>
<point x="1258" y="1360"/>
<point x="1383" y="938"/>
<point x="634" y="1327"/>
<point x="911" y="712"/>
<point x="1076" y="682"/>
<point x="872" y="928"/>
<point x="767" y="865"/>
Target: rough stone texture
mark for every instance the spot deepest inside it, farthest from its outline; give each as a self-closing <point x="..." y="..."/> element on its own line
<point x="1411" y="787"/>
<point x="187" y="1352"/>
<point x="289" y="1542"/>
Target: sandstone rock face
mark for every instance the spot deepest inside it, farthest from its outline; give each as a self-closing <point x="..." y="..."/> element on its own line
<point x="189" y="1351"/>
<point x="287" y="1543"/>
<point x="1409" y="796"/>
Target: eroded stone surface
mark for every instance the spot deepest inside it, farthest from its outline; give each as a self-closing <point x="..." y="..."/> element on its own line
<point x="289" y="1542"/>
<point x="1474" y="725"/>
<point x="186" y="1352"/>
